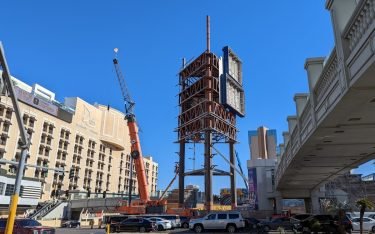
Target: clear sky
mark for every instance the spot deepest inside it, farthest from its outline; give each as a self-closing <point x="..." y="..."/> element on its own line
<point x="67" y="47"/>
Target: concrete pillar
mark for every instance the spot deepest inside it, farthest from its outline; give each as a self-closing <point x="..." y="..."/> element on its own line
<point x="300" y="99"/>
<point x="308" y="206"/>
<point x="286" y="138"/>
<point x="341" y="11"/>
<point x="292" y="123"/>
<point x="279" y="204"/>
<point x="314" y="67"/>
<point x="282" y="149"/>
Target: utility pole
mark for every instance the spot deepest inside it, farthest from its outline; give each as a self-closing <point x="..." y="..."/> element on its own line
<point x="24" y="138"/>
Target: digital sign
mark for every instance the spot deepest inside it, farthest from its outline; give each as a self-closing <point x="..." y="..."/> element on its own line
<point x="232" y="94"/>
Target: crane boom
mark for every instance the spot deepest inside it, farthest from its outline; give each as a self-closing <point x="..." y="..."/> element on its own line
<point x="239" y="165"/>
<point x="135" y="151"/>
<point x="128" y="101"/>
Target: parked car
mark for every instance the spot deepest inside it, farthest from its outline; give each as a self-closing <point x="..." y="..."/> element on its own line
<point x="372" y="216"/>
<point x="112" y="219"/>
<point x="26" y="226"/>
<point x="175" y="219"/>
<point x="300" y="217"/>
<point x="368" y="224"/>
<point x="71" y="224"/>
<point x="274" y="224"/>
<point x="229" y="221"/>
<point x="252" y="223"/>
<point x="161" y="224"/>
<point x="347" y="223"/>
<point x="184" y="221"/>
<point x="133" y="224"/>
<point x="317" y="223"/>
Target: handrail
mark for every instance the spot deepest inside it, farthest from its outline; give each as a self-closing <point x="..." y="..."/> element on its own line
<point x="362" y="17"/>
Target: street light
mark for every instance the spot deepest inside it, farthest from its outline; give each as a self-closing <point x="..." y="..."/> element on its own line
<point x="24" y="139"/>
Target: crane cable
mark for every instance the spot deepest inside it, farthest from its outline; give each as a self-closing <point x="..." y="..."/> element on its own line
<point x="231" y="164"/>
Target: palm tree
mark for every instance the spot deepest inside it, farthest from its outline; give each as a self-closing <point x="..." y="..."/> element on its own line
<point x="363" y="204"/>
<point x="334" y="207"/>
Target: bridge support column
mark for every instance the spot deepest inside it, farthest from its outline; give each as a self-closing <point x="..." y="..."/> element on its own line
<point x="315" y="203"/>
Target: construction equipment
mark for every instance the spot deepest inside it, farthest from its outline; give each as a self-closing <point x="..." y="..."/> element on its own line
<point x="239" y="165"/>
<point x="144" y="204"/>
<point x="135" y="152"/>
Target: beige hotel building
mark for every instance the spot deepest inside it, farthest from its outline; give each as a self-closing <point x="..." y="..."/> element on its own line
<point x="92" y="140"/>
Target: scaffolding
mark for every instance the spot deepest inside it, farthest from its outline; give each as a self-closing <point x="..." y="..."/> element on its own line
<point x="203" y="119"/>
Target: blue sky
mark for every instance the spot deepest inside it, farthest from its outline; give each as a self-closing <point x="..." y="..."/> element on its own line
<point x="67" y="46"/>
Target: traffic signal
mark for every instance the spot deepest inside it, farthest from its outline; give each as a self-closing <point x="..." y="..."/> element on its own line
<point x="88" y="193"/>
<point x="71" y="173"/>
<point x="104" y="194"/>
<point x="66" y="193"/>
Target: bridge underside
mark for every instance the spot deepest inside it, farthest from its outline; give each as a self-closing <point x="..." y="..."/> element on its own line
<point x="343" y="140"/>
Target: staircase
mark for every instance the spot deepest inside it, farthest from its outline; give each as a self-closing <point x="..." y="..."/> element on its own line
<point x="48" y="207"/>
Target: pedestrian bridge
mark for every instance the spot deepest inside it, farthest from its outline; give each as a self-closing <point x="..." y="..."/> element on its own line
<point x="333" y="130"/>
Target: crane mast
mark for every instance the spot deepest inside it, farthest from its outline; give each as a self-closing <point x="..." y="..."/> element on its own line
<point x="136" y="151"/>
<point x="239" y="165"/>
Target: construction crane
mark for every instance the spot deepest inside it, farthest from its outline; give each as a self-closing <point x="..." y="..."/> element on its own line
<point x="144" y="204"/>
<point x="135" y="151"/>
<point x="239" y="165"/>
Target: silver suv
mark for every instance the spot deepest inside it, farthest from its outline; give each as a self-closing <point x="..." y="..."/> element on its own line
<point x="226" y="220"/>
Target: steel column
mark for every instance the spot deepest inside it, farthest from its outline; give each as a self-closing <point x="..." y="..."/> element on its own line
<point x="233" y="189"/>
<point x="181" y="175"/>
<point x="208" y="171"/>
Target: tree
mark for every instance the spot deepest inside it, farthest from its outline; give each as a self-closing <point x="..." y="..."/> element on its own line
<point x="363" y="204"/>
<point x="334" y="207"/>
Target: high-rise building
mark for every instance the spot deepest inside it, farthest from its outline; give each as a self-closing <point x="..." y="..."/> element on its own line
<point x="90" y="142"/>
<point x="263" y="142"/>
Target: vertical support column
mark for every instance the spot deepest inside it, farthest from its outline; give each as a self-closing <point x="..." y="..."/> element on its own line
<point x="208" y="171"/>
<point x="208" y="125"/>
<point x="233" y="189"/>
<point x="181" y="175"/>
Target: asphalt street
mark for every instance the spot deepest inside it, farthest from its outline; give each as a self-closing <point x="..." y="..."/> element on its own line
<point x="181" y="231"/>
<point x="102" y="231"/>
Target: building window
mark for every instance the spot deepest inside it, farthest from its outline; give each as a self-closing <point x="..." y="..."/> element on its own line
<point x="3" y="140"/>
<point x="2" y="185"/>
<point x="8" y="114"/>
<point x="31" y="122"/>
<point x="6" y="127"/>
<point x="9" y="190"/>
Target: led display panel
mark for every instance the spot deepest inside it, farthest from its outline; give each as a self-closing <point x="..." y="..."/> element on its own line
<point x="232" y="94"/>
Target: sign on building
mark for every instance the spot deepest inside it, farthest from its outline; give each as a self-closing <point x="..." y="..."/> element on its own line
<point x="253" y="194"/>
<point x="35" y="101"/>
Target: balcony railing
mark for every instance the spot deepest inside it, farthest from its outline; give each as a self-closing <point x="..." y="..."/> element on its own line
<point x="328" y="75"/>
<point x="360" y="23"/>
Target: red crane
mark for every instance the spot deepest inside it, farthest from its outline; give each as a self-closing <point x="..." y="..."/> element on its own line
<point x="135" y="151"/>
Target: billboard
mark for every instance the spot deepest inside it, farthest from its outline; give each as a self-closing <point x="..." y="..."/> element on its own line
<point x="232" y="94"/>
<point x="35" y="101"/>
<point x="253" y="194"/>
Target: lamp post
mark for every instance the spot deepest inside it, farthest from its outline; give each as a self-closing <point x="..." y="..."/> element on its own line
<point x="24" y="139"/>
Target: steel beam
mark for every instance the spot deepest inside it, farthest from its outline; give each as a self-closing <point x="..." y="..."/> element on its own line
<point x="233" y="189"/>
<point x="181" y="174"/>
<point x="208" y="171"/>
